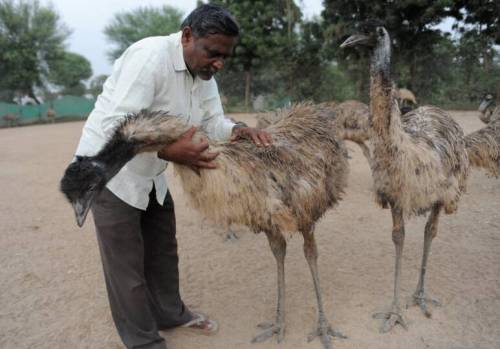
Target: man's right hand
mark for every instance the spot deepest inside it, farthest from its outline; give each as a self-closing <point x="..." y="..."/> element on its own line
<point x="185" y="152"/>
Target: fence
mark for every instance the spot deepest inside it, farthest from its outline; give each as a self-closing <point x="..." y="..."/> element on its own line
<point x="67" y="107"/>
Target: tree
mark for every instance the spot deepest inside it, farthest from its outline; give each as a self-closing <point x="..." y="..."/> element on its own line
<point x="480" y="22"/>
<point x="412" y="25"/>
<point x="267" y="34"/>
<point x="31" y="39"/>
<point x="68" y="71"/>
<point x="96" y="85"/>
<point x="129" y="27"/>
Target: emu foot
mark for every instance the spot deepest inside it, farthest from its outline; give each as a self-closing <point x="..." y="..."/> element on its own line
<point x="391" y="318"/>
<point x="269" y="330"/>
<point x="231" y="236"/>
<point x="324" y="331"/>
<point x="419" y="298"/>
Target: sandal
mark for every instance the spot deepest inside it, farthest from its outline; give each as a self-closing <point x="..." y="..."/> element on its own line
<point x="201" y="324"/>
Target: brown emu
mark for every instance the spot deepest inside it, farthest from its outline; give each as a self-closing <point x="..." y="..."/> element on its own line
<point x="283" y="188"/>
<point x="350" y="121"/>
<point x="483" y="147"/>
<point x="419" y="161"/>
<point x="487" y="110"/>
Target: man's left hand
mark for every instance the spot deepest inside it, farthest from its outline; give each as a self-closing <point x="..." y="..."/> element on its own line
<point x="259" y="137"/>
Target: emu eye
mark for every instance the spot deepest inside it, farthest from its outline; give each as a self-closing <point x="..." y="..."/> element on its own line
<point x="380" y="31"/>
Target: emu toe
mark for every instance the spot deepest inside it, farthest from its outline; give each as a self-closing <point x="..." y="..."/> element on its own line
<point x="324" y="331"/>
<point x="269" y="330"/>
<point x="420" y="299"/>
<point x="392" y="318"/>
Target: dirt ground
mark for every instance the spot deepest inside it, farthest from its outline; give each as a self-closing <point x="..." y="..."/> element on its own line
<point x="52" y="292"/>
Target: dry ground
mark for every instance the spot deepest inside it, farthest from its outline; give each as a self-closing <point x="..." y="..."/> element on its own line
<point x="52" y="292"/>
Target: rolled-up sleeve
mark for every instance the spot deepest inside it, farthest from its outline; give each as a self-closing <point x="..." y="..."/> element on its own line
<point x="135" y="87"/>
<point x="214" y="123"/>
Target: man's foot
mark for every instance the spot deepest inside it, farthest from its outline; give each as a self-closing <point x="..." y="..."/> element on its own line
<point x="269" y="330"/>
<point x="201" y="324"/>
<point x="420" y="299"/>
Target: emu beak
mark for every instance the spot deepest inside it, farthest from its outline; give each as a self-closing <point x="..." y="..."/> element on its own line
<point x="355" y="39"/>
<point x="484" y="104"/>
<point x="82" y="207"/>
<point x="81" y="210"/>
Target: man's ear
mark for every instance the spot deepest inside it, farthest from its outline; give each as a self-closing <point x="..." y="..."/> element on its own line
<point x="187" y="35"/>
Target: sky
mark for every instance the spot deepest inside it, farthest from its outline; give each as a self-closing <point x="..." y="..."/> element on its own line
<point x="87" y="19"/>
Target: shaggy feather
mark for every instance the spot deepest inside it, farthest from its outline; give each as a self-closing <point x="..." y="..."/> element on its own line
<point x="284" y="188"/>
<point x="483" y="147"/>
<point x="419" y="158"/>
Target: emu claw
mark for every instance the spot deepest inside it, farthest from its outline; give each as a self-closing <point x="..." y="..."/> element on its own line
<point x="391" y="319"/>
<point x="324" y="331"/>
<point x="420" y="299"/>
<point x="269" y="330"/>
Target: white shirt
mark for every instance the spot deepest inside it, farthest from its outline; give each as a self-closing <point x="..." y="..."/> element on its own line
<point x="151" y="74"/>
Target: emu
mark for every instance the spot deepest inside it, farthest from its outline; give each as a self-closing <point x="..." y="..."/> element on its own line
<point x="483" y="147"/>
<point x="350" y="119"/>
<point x="419" y="162"/>
<point x="488" y="111"/>
<point x="283" y="188"/>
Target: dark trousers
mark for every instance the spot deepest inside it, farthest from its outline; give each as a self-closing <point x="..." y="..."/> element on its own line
<point x="140" y="263"/>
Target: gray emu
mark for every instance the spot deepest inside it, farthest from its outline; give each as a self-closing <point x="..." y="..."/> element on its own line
<point x="483" y="147"/>
<point x="488" y="111"/>
<point x="350" y="121"/>
<point x="283" y="188"/>
<point x="419" y="161"/>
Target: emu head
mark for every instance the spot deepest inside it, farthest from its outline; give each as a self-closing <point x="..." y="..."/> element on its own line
<point x="82" y="181"/>
<point x="369" y="33"/>
<point x="372" y="35"/>
<point x="486" y="103"/>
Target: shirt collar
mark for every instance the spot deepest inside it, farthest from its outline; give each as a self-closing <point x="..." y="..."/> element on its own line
<point x="178" y="55"/>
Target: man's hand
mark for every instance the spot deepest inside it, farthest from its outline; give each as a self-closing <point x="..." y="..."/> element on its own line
<point x="259" y="137"/>
<point x="184" y="151"/>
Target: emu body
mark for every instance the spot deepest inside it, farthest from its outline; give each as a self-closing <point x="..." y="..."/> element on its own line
<point x="483" y="147"/>
<point x="419" y="161"/>
<point x="280" y="189"/>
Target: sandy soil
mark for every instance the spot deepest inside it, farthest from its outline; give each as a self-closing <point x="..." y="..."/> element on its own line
<point x="52" y="292"/>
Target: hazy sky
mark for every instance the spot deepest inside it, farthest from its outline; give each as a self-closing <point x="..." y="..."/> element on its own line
<point x="87" y="19"/>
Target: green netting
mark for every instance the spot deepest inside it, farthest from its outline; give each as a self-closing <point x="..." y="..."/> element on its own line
<point x="64" y="107"/>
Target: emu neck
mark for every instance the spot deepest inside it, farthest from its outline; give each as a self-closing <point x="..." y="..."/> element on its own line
<point x="115" y="154"/>
<point x="381" y="86"/>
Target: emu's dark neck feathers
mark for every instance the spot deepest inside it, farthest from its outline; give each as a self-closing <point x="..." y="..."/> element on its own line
<point x="115" y="154"/>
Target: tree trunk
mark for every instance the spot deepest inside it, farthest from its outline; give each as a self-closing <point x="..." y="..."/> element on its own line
<point x="248" y="85"/>
<point x="498" y="92"/>
<point x="32" y="95"/>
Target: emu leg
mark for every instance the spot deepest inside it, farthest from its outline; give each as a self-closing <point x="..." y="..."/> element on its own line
<point x="366" y="151"/>
<point x="323" y="329"/>
<point x="278" y="247"/>
<point x="230" y="234"/>
<point x="394" y="316"/>
<point x="419" y="298"/>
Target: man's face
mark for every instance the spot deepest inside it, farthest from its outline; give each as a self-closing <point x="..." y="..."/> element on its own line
<point x="205" y="56"/>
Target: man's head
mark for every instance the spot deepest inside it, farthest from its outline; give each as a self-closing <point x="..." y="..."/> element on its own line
<point x="209" y="34"/>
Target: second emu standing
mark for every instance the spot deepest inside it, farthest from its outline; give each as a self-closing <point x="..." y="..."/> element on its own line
<point x="419" y="162"/>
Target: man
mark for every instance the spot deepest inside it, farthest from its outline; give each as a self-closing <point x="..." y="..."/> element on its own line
<point x="134" y="214"/>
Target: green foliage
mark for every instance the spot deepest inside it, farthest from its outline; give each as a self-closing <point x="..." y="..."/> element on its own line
<point x="68" y="71"/>
<point x="438" y="69"/>
<point x="96" y="85"/>
<point x="31" y="40"/>
<point x="129" y="27"/>
<point x="268" y="31"/>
